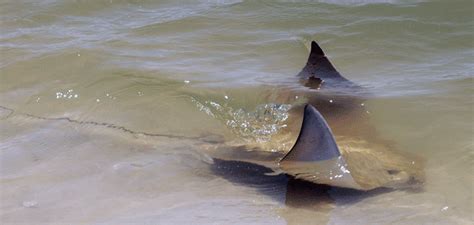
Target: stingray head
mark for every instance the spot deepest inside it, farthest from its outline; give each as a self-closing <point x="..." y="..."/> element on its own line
<point x="355" y="164"/>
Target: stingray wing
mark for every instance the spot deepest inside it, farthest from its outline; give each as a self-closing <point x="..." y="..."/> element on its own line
<point x="315" y="157"/>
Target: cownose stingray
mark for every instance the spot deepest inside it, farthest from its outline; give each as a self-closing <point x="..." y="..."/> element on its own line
<point x="336" y="144"/>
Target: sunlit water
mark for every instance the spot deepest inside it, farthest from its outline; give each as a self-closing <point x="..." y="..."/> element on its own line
<point x="105" y="105"/>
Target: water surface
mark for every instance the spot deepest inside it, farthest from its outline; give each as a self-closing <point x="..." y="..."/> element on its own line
<point x="103" y="104"/>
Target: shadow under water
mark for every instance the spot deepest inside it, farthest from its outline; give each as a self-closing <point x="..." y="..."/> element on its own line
<point x="287" y="190"/>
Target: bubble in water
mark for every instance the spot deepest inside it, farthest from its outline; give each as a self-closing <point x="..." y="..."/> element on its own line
<point x="30" y="204"/>
<point x="258" y="125"/>
<point x="69" y="94"/>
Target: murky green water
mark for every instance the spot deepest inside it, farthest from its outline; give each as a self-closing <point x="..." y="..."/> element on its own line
<point x="108" y="97"/>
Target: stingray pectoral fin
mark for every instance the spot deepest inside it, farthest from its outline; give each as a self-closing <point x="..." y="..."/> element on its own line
<point x="315" y="141"/>
<point x="315" y="157"/>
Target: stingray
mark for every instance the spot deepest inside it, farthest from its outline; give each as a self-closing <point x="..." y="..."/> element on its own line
<point x="336" y="144"/>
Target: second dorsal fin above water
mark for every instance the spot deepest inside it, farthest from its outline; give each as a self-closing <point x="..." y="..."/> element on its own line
<point x="319" y="66"/>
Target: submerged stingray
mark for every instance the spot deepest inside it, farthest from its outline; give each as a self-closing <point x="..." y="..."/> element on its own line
<point x="336" y="145"/>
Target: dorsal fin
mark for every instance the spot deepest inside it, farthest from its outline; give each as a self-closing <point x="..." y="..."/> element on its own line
<point x="316" y="50"/>
<point x="318" y="65"/>
<point x="315" y="141"/>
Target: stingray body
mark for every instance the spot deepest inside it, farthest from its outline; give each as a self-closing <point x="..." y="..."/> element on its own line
<point x="335" y="145"/>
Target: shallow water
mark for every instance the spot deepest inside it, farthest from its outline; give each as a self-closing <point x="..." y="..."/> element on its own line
<point x="110" y="99"/>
